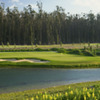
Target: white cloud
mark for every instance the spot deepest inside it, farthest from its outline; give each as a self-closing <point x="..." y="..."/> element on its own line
<point x="90" y="4"/>
<point x="11" y="7"/>
<point x="15" y="0"/>
<point x="33" y="6"/>
<point x="21" y="3"/>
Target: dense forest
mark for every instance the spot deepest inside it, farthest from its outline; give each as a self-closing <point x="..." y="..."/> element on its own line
<point x="31" y="27"/>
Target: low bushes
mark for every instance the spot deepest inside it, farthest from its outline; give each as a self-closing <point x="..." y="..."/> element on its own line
<point x="85" y="52"/>
<point x="62" y="50"/>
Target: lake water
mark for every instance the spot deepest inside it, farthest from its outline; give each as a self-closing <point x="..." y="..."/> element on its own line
<point x="27" y="78"/>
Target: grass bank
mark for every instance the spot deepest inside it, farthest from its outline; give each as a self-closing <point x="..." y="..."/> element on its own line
<point x="78" y="91"/>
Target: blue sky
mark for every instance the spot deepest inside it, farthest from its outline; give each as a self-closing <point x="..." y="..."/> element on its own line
<point x="72" y="6"/>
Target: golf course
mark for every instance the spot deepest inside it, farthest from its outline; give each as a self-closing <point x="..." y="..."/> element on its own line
<point x="54" y="57"/>
<point x="49" y="49"/>
<point x="61" y="58"/>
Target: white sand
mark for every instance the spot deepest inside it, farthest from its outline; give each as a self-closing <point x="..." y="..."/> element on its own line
<point x="25" y="60"/>
<point x="2" y="60"/>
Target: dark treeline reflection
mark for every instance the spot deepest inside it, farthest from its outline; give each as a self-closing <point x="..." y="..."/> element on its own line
<point x="31" y="27"/>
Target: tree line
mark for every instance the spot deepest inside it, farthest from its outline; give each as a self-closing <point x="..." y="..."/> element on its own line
<point x="31" y="27"/>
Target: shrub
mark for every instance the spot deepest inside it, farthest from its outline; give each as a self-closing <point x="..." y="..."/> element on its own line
<point x="14" y="45"/>
<point x="54" y="49"/>
<point x="97" y="46"/>
<point x="75" y="51"/>
<point x="32" y="44"/>
<point x="8" y="44"/>
<point x="91" y="49"/>
<point x="88" y="53"/>
<point x="85" y="48"/>
<point x="88" y="44"/>
<point x="39" y="49"/>
<point x="36" y="45"/>
<point x="62" y="50"/>
<point x="2" y="44"/>
<point x="94" y="52"/>
<point x="60" y="44"/>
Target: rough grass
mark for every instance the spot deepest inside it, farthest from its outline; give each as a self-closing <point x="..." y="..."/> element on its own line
<point x="74" y="45"/>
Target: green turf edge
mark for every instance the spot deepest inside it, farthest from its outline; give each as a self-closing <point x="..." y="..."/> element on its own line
<point x="8" y="64"/>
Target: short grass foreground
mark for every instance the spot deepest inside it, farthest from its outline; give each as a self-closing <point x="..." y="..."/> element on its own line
<point x="56" y="60"/>
<point x="79" y="91"/>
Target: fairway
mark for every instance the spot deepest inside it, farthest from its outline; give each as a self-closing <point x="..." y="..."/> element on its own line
<point x="54" y="57"/>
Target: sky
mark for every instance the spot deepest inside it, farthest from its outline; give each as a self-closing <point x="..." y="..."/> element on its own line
<point x="72" y="6"/>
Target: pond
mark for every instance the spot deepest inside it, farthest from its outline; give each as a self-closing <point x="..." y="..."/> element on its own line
<point x="19" y="79"/>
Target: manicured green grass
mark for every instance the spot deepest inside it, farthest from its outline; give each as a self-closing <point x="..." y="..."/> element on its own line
<point x="79" y="91"/>
<point x="56" y="59"/>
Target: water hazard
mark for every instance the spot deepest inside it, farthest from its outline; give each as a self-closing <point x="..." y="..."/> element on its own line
<point x="20" y="79"/>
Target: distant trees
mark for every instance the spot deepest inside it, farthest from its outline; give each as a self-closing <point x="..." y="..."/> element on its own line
<point x="57" y="27"/>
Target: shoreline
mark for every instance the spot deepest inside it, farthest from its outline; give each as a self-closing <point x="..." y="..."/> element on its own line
<point x="26" y="64"/>
<point x="50" y="87"/>
<point x="54" y="89"/>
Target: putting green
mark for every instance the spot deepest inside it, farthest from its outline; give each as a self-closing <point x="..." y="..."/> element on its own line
<point x="53" y="57"/>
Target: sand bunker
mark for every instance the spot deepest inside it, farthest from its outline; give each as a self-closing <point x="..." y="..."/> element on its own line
<point x="25" y="60"/>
